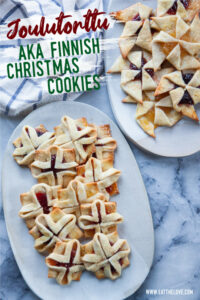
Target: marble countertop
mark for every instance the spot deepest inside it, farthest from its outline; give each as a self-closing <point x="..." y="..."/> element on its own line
<point x="173" y="186"/>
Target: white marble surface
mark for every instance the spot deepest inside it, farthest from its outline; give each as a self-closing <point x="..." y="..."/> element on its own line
<point x="173" y="186"/>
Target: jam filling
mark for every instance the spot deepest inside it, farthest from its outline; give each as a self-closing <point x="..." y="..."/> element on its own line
<point x="39" y="132"/>
<point x="94" y="155"/>
<point x="56" y="234"/>
<point x="150" y="71"/>
<point x="136" y="18"/>
<point x="187" y="77"/>
<point x="52" y="168"/>
<point x="42" y="199"/>
<point x="187" y="99"/>
<point x="121" y="261"/>
<point x="112" y="269"/>
<point x="99" y="213"/>
<point x="134" y="67"/>
<point x="173" y="9"/>
<point x="27" y="132"/>
<point x="109" y="189"/>
<point x="66" y="265"/>
<point x="185" y="3"/>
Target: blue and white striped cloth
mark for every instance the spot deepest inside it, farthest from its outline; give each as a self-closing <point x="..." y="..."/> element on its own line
<point x="19" y="96"/>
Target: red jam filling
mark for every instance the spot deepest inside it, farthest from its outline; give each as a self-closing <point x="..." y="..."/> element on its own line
<point x="187" y="77"/>
<point x="112" y="269"/>
<point x="185" y="3"/>
<point x="39" y="132"/>
<point x="53" y="169"/>
<point x="136" y="18"/>
<point x="150" y="71"/>
<point x="69" y="264"/>
<point x="109" y="189"/>
<point x="99" y="214"/>
<point x="85" y="147"/>
<point x="27" y="132"/>
<point x="187" y="99"/>
<point x="134" y="67"/>
<point x="173" y="9"/>
<point x="42" y="199"/>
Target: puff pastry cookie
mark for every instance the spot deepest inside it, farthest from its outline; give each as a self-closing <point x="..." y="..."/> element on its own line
<point x="77" y="193"/>
<point x="186" y="9"/>
<point x="53" y="227"/>
<point x="176" y="42"/>
<point x="105" y="144"/>
<point x="140" y="76"/>
<point x="65" y="263"/>
<point x="78" y="135"/>
<point x="101" y="172"/>
<point x="133" y="12"/>
<point x="30" y="140"/>
<point x="38" y="200"/>
<point x="159" y="112"/>
<point x="106" y="255"/>
<point x="54" y="166"/>
<point x="99" y="217"/>
<point x="184" y="89"/>
<point x="137" y="31"/>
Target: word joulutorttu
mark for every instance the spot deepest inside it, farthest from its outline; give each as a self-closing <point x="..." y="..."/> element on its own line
<point x="62" y="25"/>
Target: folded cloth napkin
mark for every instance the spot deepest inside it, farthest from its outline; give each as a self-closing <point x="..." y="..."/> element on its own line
<point x="20" y="96"/>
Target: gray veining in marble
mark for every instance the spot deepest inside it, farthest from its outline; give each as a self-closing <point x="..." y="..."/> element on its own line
<point x="173" y="186"/>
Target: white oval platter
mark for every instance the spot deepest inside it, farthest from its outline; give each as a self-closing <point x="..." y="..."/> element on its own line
<point x="181" y="140"/>
<point x="132" y="203"/>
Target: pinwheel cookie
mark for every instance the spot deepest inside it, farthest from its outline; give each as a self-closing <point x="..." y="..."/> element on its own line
<point x="77" y="193"/>
<point x="65" y="263"/>
<point x="30" y="140"/>
<point x="139" y="80"/>
<point x="138" y="29"/>
<point x="37" y="201"/>
<point x="54" y="166"/>
<point x="140" y="76"/>
<point x="186" y="9"/>
<point x="53" y="227"/>
<point x="137" y="75"/>
<point x="105" y="144"/>
<point x="99" y="217"/>
<point x="184" y="90"/>
<point x="177" y="42"/>
<point x="152" y="114"/>
<point x="78" y="135"/>
<point x="106" y="255"/>
<point x="101" y="172"/>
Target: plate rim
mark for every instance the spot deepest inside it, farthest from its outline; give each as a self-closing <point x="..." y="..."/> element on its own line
<point x="120" y="123"/>
<point x="12" y="244"/>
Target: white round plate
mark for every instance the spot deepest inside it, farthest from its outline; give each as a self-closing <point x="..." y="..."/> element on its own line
<point x="181" y="140"/>
<point x="132" y="203"/>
